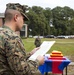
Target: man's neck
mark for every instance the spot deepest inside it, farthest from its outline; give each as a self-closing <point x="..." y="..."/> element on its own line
<point x="10" y="25"/>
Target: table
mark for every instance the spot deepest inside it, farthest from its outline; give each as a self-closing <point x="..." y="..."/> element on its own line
<point x="54" y="66"/>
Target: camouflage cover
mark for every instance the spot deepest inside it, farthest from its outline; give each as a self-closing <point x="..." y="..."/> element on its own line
<point x="18" y="7"/>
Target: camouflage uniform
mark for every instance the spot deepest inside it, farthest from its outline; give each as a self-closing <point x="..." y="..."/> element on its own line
<point x="37" y="42"/>
<point x="13" y="58"/>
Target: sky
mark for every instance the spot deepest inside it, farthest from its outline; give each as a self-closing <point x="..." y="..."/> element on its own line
<point x="43" y="3"/>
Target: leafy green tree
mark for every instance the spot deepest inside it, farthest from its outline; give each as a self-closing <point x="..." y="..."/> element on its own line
<point x="37" y="22"/>
<point x="61" y="19"/>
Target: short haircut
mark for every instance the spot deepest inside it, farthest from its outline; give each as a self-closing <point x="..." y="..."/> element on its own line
<point x="9" y="14"/>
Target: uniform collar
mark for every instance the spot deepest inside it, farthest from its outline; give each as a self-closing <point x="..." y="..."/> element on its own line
<point x="7" y="28"/>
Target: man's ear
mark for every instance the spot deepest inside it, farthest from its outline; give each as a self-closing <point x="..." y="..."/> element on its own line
<point x="16" y="17"/>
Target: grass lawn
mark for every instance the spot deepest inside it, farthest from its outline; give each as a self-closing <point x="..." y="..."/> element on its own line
<point x="66" y="46"/>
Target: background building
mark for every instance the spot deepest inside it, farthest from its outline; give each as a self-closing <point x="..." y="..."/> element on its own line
<point x="1" y="19"/>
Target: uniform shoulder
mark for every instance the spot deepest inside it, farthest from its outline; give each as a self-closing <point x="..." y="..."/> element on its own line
<point x="5" y="32"/>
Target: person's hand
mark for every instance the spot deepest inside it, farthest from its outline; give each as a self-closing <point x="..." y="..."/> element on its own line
<point x="34" y="50"/>
<point x="40" y="59"/>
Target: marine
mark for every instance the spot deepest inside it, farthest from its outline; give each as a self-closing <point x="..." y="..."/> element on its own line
<point x="13" y="56"/>
<point x="37" y="42"/>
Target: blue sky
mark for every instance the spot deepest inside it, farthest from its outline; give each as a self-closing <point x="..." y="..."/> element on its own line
<point x="42" y="3"/>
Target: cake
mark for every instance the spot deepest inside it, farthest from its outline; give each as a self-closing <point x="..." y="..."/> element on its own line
<point x="56" y="54"/>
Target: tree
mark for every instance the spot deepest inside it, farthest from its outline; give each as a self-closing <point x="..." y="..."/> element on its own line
<point x="61" y="19"/>
<point x="37" y="22"/>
